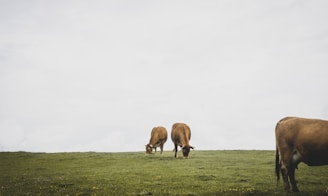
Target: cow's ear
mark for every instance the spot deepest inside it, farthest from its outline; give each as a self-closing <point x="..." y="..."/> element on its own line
<point x="192" y="147"/>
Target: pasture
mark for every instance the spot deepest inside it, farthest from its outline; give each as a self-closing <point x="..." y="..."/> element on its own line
<point x="134" y="173"/>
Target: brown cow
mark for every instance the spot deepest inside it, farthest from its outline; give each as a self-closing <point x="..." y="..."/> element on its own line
<point x="300" y="140"/>
<point x="157" y="139"/>
<point x="180" y="136"/>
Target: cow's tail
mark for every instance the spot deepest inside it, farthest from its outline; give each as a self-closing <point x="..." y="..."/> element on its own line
<point x="277" y="164"/>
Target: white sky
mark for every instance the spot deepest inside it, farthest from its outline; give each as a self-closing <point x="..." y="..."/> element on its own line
<point x="99" y="75"/>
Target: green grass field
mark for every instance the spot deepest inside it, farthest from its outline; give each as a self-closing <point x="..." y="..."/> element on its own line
<point x="204" y="173"/>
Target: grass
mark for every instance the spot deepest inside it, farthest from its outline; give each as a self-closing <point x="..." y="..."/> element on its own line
<point x="204" y="173"/>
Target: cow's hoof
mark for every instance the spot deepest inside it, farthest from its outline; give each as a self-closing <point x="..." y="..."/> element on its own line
<point x="287" y="189"/>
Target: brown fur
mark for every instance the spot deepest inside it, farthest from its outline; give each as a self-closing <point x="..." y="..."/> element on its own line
<point x="300" y="140"/>
<point x="157" y="139"/>
<point x="180" y="136"/>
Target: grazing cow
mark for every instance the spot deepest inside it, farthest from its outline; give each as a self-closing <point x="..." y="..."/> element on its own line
<point x="300" y="140"/>
<point x="180" y="136"/>
<point x="157" y="139"/>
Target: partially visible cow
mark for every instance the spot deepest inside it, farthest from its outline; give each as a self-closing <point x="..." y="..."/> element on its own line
<point x="180" y="136"/>
<point x="300" y="140"/>
<point x="157" y="139"/>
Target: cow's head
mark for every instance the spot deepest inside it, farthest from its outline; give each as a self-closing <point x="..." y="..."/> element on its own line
<point x="149" y="148"/>
<point x="186" y="150"/>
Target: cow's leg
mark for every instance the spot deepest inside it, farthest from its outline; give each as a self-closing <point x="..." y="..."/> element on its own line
<point x="175" y="150"/>
<point x="284" y="173"/>
<point x="161" y="146"/>
<point x="288" y="171"/>
<point x="285" y="167"/>
<point x="286" y="163"/>
<point x="297" y="157"/>
<point x="291" y="174"/>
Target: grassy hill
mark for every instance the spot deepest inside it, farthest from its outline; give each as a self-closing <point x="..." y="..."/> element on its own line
<point x="204" y="173"/>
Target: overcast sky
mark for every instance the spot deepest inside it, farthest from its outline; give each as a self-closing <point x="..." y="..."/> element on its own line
<point x="99" y="75"/>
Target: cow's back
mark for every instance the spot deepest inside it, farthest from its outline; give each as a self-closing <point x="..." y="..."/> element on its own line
<point x="158" y="133"/>
<point x="309" y="137"/>
<point x="180" y="133"/>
